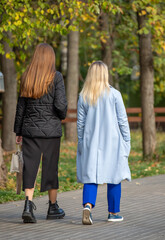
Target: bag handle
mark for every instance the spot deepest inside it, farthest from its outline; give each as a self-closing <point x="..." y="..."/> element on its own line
<point x="18" y="148"/>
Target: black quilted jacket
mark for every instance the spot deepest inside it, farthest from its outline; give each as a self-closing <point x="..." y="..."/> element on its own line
<point x="42" y="117"/>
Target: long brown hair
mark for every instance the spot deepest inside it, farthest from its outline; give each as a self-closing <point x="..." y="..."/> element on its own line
<point x="39" y="75"/>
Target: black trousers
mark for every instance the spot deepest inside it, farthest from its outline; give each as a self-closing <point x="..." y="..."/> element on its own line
<point x="33" y="149"/>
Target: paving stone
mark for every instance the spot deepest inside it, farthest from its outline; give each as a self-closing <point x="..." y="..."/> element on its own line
<point x="142" y="205"/>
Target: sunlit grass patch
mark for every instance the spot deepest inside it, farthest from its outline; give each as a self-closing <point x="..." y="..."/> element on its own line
<point x="140" y="167"/>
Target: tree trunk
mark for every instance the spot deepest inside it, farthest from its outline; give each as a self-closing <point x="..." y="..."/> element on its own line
<point x="3" y="169"/>
<point x="106" y="42"/>
<point x="63" y="50"/>
<point x="9" y="101"/>
<point x="72" y="82"/>
<point x="147" y="90"/>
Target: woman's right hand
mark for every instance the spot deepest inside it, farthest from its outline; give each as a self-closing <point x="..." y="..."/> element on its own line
<point x="18" y="139"/>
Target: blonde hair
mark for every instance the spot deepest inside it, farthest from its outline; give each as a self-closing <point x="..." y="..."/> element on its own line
<point x="39" y="75"/>
<point x="97" y="81"/>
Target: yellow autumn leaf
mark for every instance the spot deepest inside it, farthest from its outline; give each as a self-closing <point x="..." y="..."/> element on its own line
<point x="18" y="23"/>
<point x="134" y="7"/>
<point x="70" y="10"/>
<point x="81" y="30"/>
<point x="103" y="40"/>
<point x="143" y="12"/>
<point x="67" y="21"/>
<point x="79" y="3"/>
<point x="133" y="174"/>
<point x="137" y="74"/>
<point x="76" y="13"/>
<point x="149" y="9"/>
<point x="93" y="19"/>
<point x="84" y="18"/>
<point x="163" y="46"/>
<point x="94" y="46"/>
<point x="21" y="14"/>
<point x="161" y="87"/>
<point x="42" y="12"/>
<point x="28" y="33"/>
<point x="16" y="17"/>
<point x="161" y="29"/>
<point x="8" y="55"/>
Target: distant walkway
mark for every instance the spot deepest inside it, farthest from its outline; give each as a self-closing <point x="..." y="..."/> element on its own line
<point x="143" y="208"/>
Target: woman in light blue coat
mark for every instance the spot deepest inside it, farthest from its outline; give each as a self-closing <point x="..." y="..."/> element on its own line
<point x="103" y="141"/>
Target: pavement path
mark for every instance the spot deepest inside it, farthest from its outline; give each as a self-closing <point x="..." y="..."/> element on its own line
<point x="142" y="205"/>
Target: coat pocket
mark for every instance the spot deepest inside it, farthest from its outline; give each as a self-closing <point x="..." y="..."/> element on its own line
<point x="80" y="144"/>
<point x="86" y="140"/>
<point x="127" y="147"/>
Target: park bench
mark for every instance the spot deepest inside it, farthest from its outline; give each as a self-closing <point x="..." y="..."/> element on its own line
<point x="136" y="112"/>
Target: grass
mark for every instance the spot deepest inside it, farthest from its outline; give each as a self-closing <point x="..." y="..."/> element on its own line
<point x="67" y="167"/>
<point x="143" y="168"/>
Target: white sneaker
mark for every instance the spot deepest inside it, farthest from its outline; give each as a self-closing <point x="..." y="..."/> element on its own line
<point x="87" y="216"/>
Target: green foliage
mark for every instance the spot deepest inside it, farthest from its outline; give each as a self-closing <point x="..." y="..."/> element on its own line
<point x="159" y="86"/>
<point x="31" y="22"/>
<point x="122" y="67"/>
<point x="24" y="24"/>
<point x="154" y="12"/>
<point x="24" y="19"/>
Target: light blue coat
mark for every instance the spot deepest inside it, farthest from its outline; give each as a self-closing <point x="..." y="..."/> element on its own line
<point x="103" y="140"/>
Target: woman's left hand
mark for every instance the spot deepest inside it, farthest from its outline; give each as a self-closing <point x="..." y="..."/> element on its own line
<point x="18" y="139"/>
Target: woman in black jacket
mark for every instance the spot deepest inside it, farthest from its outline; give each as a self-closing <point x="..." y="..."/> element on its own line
<point x="41" y="106"/>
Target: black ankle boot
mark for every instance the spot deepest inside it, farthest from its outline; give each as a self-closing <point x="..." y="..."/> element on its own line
<point x="54" y="211"/>
<point x="27" y="215"/>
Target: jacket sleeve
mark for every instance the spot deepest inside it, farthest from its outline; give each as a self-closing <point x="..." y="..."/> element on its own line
<point x="123" y="122"/>
<point x="81" y="119"/>
<point x="60" y="102"/>
<point x="20" y="112"/>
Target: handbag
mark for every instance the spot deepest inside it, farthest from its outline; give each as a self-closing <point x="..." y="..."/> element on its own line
<point x="16" y="161"/>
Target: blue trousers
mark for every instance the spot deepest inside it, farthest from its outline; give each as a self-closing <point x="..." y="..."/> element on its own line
<point x="113" y="195"/>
